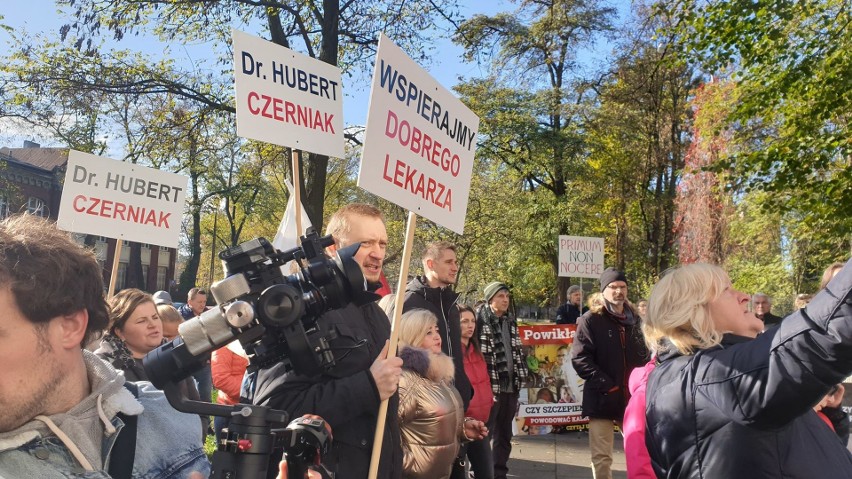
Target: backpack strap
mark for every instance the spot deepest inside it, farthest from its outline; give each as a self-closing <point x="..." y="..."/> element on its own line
<point x="124" y="448"/>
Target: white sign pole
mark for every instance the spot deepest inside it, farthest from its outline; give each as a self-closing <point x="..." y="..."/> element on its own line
<point x="397" y="314"/>
<point x="297" y="191"/>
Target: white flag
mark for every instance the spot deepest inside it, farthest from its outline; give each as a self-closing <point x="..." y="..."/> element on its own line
<point x="287" y="236"/>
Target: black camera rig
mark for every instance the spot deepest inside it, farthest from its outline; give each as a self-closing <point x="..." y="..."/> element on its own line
<point x="274" y="316"/>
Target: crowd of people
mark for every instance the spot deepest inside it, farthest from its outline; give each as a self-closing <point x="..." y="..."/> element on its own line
<point x="702" y="379"/>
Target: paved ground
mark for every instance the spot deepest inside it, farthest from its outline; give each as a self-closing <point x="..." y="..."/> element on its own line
<point x="563" y="456"/>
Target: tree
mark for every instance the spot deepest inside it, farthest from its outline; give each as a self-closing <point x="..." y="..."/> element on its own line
<point x="533" y="125"/>
<point x="792" y="64"/>
<point x="343" y="34"/>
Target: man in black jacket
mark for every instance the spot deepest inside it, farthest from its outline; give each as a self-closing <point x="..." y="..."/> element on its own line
<point x="348" y="395"/>
<point x="607" y="346"/>
<point x="763" y="310"/>
<point x="434" y="292"/>
<point x="572" y="309"/>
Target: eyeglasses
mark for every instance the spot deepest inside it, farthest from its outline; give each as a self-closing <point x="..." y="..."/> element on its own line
<point x="617" y="288"/>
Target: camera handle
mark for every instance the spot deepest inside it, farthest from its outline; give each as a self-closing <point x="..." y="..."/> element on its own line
<point x="250" y="447"/>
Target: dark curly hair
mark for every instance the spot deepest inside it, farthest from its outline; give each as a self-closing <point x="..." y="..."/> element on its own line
<point x="49" y="274"/>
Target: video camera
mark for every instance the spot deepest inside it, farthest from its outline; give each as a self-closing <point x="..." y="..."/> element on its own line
<point x="274" y="316"/>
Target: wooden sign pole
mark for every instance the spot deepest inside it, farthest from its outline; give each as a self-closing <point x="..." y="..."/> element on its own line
<point x="397" y="314"/>
<point x="116" y="257"/>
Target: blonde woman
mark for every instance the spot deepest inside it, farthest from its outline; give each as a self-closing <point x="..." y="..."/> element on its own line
<point x="431" y="414"/>
<point x="728" y="402"/>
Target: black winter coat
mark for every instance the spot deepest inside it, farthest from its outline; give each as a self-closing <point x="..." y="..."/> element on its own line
<point x="441" y="302"/>
<point x="606" y="349"/>
<point x="346" y="396"/>
<point x="568" y="313"/>
<point x="744" y="409"/>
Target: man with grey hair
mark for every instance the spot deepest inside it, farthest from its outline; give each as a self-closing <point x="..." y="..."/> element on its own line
<point x="762" y="305"/>
<point x="573" y="307"/>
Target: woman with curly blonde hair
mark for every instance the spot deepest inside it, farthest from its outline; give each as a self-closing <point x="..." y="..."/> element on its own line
<point x="727" y="401"/>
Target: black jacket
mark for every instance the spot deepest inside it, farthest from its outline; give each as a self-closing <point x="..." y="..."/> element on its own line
<point x="568" y="313"/>
<point x="441" y="302"/>
<point x="346" y="396"/>
<point x="744" y="409"/>
<point x="606" y="349"/>
<point x="770" y="319"/>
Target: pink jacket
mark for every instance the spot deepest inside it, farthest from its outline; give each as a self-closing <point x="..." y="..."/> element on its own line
<point x="635" y="451"/>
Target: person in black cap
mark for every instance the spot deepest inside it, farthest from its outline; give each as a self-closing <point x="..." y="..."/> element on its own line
<point x="607" y="346"/>
<point x="507" y="366"/>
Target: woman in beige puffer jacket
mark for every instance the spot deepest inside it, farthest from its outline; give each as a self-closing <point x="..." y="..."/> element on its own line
<point x="431" y="414"/>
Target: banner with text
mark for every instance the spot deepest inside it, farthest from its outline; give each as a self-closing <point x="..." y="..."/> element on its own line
<point x="420" y="141"/>
<point x="286" y="98"/>
<point x="581" y="256"/>
<point x="116" y="199"/>
<point x="554" y="390"/>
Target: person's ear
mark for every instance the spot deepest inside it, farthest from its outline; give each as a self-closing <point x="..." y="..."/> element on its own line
<point x="429" y="264"/>
<point x="73" y="328"/>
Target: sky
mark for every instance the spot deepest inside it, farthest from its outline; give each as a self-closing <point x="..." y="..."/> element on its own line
<point x="446" y="67"/>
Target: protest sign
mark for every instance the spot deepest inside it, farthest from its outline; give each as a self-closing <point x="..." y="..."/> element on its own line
<point x="116" y="199"/>
<point x="554" y="392"/>
<point x="420" y="141"/>
<point x="581" y="256"/>
<point x="286" y="98"/>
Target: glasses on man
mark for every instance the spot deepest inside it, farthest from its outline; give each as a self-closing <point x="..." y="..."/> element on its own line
<point x="617" y="288"/>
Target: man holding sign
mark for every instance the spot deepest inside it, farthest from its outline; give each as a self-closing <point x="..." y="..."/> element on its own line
<point x="349" y="394"/>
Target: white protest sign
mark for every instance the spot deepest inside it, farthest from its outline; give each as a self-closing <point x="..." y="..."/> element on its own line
<point x="286" y="98"/>
<point x="111" y="198"/>
<point x="420" y="141"/>
<point x="581" y="256"/>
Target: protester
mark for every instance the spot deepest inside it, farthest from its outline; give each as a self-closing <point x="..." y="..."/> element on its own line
<point x="642" y="308"/>
<point x="829" y="273"/>
<point x="802" y="300"/>
<point x="635" y="451"/>
<point x="348" y="395"/>
<point x="65" y="412"/>
<point x="478" y="452"/>
<point x="832" y="409"/>
<point x="386" y="304"/>
<point x="228" y="366"/>
<point x="431" y="415"/>
<point x="763" y="310"/>
<point x="727" y="401"/>
<point x="134" y="330"/>
<point x="504" y="357"/>
<point x="595" y="302"/>
<point x="607" y="346"/>
<point x="162" y="297"/>
<point x="434" y="292"/>
<point x="572" y="308"/>
<point x="171" y="320"/>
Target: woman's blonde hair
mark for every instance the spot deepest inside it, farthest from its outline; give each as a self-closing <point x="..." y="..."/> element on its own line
<point x="413" y="327"/>
<point x="678" y="312"/>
